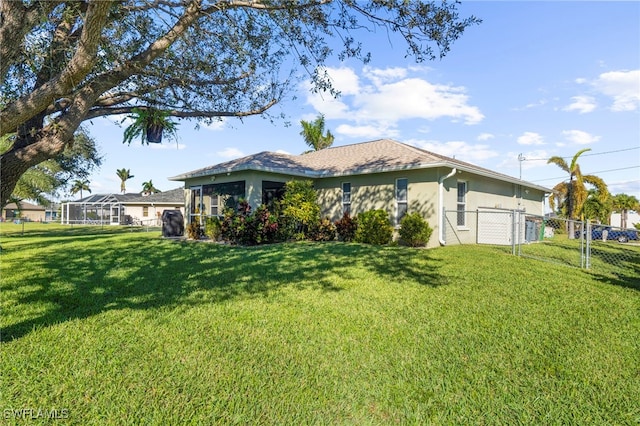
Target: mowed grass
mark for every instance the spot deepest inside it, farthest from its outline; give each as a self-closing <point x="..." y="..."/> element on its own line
<point x="121" y="327"/>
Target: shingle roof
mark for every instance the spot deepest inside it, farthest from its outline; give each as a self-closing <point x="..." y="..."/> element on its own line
<point x="377" y="156"/>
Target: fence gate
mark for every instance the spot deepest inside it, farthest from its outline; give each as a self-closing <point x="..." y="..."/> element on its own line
<point x="575" y="243"/>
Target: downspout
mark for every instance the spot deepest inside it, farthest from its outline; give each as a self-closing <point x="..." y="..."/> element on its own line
<point x="441" y="205"/>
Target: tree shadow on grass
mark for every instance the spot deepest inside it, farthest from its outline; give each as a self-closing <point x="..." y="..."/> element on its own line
<point x="76" y="277"/>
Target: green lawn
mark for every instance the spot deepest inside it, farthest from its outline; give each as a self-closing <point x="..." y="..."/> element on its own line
<point x="121" y="327"/>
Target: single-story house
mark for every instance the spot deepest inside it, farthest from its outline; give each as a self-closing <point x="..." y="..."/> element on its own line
<point x="381" y="174"/>
<point x="123" y="209"/>
<point x="27" y="212"/>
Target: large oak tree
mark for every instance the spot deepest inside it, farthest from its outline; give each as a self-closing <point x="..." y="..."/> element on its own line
<point x="64" y="62"/>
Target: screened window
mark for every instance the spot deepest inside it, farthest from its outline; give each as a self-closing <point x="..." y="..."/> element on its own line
<point x="346" y="197"/>
<point x="215" y="200"/>
<point x="145" y="211"/>
<point x="461" y="206"/>
<point x="402" y="186"/>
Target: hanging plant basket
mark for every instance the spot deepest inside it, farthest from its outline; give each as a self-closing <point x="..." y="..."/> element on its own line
<point x="154" y="133"/>
<point x="149" y="124"/>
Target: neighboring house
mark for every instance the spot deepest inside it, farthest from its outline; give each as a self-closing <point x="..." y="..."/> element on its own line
<point x="632" y="218"/>
<point x="382" y="174"/>
<point x="122" y="209"/>
<point x="27" y="212"/>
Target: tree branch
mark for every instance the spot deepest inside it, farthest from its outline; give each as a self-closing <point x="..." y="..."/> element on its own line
<point x="102" y="112"/>
<point x="76" y="70"/>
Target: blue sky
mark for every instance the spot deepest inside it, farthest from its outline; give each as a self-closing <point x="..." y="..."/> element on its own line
<point x="535" y="78"/>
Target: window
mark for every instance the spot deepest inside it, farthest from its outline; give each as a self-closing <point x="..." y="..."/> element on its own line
<point x="402" y="186"/>
<point x="462" y="204"/>
<point x="145" y="211"/>
<point x="346" y="197"/>
<point x="214" y="205"/>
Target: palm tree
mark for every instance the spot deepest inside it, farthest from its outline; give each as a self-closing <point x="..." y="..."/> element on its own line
<point x="124" y="175"/>
<point x="623" y="203"/>
<point x="596" y="207"/>
<point x="313" y="134"/>
<point x="79" y="186"/>
<point x="572" y="195"/>
<point x="148" y="188"/>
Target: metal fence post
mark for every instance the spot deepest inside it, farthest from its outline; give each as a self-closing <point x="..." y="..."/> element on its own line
<point x="513" y="232"/>
<point x="588" y="245"/>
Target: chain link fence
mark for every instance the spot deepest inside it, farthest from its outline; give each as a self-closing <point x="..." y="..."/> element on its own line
<point x="599" y="248"/>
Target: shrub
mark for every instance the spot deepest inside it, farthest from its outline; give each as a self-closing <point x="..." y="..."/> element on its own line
<point x="324" y="230"/>
<point x="194" y="231"/>
<point x="374" y="227"/>
<point x="299" y="206"/>
<point x="247" y="228"/>
<point x="346" y="227"/>
<point x="414" y="230"/>
<point x="213" y="228"/>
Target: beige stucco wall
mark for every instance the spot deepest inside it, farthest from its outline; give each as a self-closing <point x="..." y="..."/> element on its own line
<point x="377" y="191"/>
<point x="486" y="192"/>
<point x="154" y="216"/>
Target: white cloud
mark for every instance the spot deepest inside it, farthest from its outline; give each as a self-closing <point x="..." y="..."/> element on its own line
<point x="622" y="86"/>
<point x="282" y="151"/>
<point x="383" y="97"/>
<point x="416" y="98"/>
<point x="578" y="137"/>
<point x="367" y="131"/>
<point x="485" y="136"/>
<point x="459" y="150"/>
<point x="530" y="138"/>
<point x="167" y="145"/>
<point x="582" y="104"/>
<point x="380" y="76"/>
<point x="215" y="125"/>
<point x="230" y="153"/>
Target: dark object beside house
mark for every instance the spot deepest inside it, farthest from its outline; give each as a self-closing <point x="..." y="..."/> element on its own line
<point x="172" y="223"/>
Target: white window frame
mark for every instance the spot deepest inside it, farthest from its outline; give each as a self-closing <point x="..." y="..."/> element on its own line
<point x="346" y="198"/>
<point x="399" y="201"/>
<point x="461" y="204"/>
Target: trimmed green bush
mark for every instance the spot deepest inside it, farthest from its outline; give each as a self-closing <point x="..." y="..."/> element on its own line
<point x="414" y="230"/>
<point x="299" y="206"/>
<point x="213" y="228"/>
<point x="374" y="227"/>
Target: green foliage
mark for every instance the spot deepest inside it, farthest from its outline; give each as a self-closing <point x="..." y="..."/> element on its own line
<point x="124" y="175"/>
<point x="55" y="175"/>
<point x="414" y="230"/>
<point x="299" y="205"/>
<point x="144" y="119"/>
<point x="213" y="228"/>
<point x="374" y="227"/>
<point x="346" y="227"/>
<point x="194" y="231"/>
<point x="248" y="228"/>
<point x="325" y="230"/>
<point x="313" y="133"/>
<point x="80" y="186"/>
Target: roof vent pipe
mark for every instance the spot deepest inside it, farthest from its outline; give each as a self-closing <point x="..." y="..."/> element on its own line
<point x="441" y="205"/>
